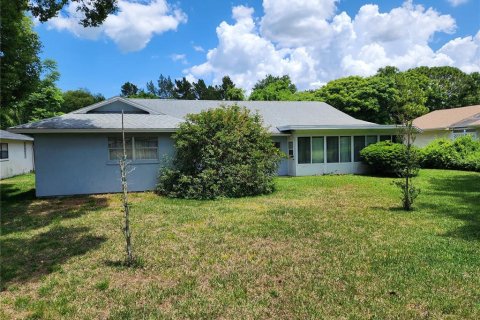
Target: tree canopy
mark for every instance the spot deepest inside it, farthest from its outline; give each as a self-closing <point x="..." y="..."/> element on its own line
<point x="80" y="98"/>
<point x="274" y="89"/>
<point x="94" y="12"/>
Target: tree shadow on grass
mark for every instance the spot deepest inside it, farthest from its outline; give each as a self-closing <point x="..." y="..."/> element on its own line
<point x="21" y="212"/>
<point x="23" y="259"/>
<point x="458" y="197"/>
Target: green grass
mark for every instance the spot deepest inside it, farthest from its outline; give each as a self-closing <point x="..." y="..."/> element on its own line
<point x="319" y="247"/>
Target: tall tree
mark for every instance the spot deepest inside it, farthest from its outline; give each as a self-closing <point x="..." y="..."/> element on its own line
<point x="273" y="88"/>
<point x="447" y="87"/>
<point x="228" y="90"/>
<point x="47" y="100"/>
<point x="129" y="89"/>
<point x="166" y="87"/>
<point x="184" y="90"/>
<point x="19" y="58"/>
<point x="80" y="98"/>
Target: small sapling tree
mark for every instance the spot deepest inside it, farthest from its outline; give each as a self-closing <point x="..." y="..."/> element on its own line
<point x="126" y="209"/>
<point x="411" y="104"/>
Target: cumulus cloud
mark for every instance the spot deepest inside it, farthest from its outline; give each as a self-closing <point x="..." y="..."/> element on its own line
<point x="313" y="43"/>
<point x="131" y="28"/>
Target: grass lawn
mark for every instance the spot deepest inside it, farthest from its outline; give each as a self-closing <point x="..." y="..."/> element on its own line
<point x="319" y="247"/>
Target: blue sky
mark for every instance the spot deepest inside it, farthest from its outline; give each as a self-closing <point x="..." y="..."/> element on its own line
<point x="173" y="38"/>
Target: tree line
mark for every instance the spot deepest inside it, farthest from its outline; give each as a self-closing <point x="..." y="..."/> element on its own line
<point x="379" y="98"/>
<point x="165" y="88"/>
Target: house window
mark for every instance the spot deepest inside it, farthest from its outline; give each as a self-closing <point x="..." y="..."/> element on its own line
<point x="386" y="138"/>
<point x="345" y="149"/>
<point x="371" y="140"/>
<point x="137" y="148"/>
<point x="304" y="150"/>
<point x="358" y="145"/>
<point x="3" y="150"/>
<point x="25" y="150"/>
<point x="115" y="148"/>
<point x="318" y="152"/>
<point x="332" y="150"/>
<point x="277" y="145"/>
<point x="145" y="148"/>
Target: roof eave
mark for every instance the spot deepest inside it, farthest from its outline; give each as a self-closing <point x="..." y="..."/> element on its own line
<point x="337" y="127"/>
<point x="106" y="130"/>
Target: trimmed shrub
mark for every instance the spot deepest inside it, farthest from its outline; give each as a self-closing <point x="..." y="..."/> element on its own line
<point x="222" y="152"/>
<point x="441" y="154"/>
<point x="387" y="158"/>
<point x="463" y="154"/>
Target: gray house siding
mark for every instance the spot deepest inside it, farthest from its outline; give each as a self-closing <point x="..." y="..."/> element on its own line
<point x="69" y="164"/>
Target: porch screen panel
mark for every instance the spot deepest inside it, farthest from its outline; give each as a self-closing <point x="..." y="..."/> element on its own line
<point x="332" y="149"/>
<point x="318" y="152"/>
<point x="304" y="154"/>
<point x="371" y="140"/>
<point x="345" y="149"/>
<point x="358" y="145"/>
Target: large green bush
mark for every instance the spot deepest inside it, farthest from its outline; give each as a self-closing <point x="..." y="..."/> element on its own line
<point x="222" y="152"/>
<point x="387" y="158"/>
<point x="463" y="153"/>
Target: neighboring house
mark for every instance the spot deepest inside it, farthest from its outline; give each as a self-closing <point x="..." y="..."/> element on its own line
<point x="16" y="154"/>
<point x="448" y="123"/>
<point x="77" y="153"/>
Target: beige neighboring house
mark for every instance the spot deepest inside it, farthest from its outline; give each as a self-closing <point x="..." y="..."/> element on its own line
<point x="16" y="154"/>
<point x="448" y="123"/>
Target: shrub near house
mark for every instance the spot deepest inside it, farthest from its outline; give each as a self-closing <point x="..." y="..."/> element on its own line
<point x="386" y="158"/>
<point x="221" y="152"/>
<point x="463" y="154"/>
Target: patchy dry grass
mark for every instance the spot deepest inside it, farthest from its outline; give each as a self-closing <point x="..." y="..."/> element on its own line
<point x="319" y="247"/>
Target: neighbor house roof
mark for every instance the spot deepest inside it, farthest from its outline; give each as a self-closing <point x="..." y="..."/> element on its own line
<point x="166" y="115"/>
<point x="449" y="118"/>
<point x="14" y="136"/>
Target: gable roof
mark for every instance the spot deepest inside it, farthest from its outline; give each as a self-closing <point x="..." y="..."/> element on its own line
<point x="166" y="115"/>
<point x="449" y="118"/>
<point x="14" y="136"/>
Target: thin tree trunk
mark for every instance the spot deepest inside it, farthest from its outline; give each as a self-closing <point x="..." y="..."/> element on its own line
<point x="123" y="172"/>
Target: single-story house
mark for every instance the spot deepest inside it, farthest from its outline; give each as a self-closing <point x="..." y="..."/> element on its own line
<point x="78" y="153"/>
<point x="448" y="123"/>
<point x="16" y="154"/>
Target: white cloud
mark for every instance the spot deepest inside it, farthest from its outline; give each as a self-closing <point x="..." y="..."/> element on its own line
<point x="198" y="48"/>
<point x="179" y="57"/>
<point x="308" y="40"/>
<point x="455" y="3"/>
<point x="131" y="28"/>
